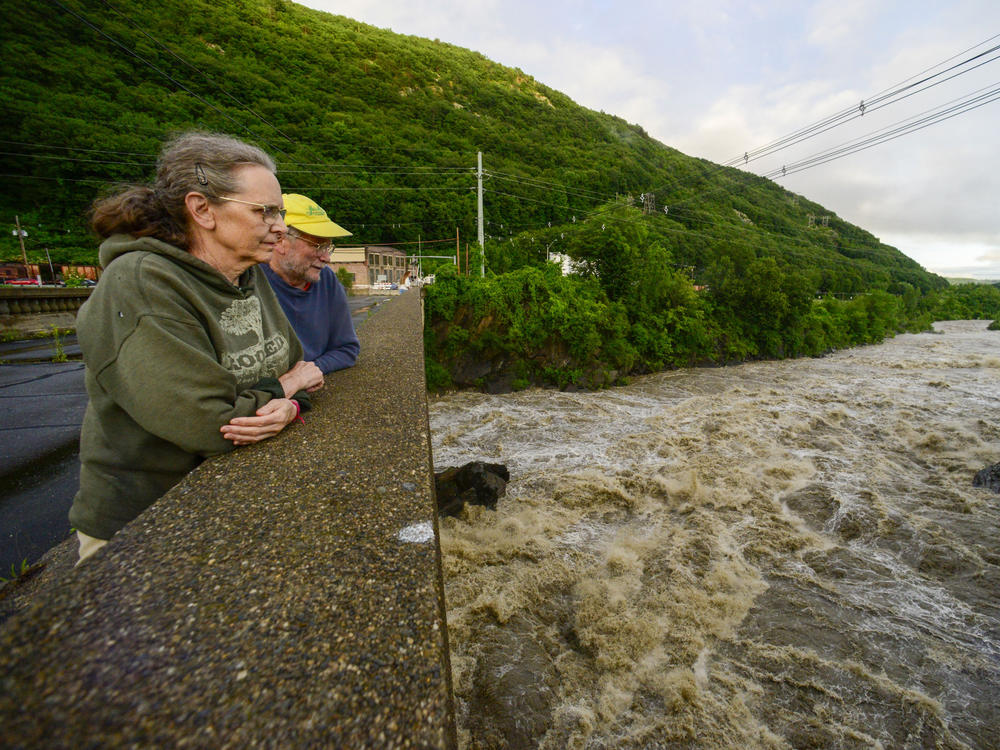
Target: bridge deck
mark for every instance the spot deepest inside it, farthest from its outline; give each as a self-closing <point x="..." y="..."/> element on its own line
<point x="288" y="594"/>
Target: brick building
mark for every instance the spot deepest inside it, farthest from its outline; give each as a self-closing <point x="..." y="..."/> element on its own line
<point x="352" y="260"/>
<point x="375" y="264"/>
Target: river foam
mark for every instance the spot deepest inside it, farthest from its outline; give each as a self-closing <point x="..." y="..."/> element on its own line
<point x="779" y="554"/>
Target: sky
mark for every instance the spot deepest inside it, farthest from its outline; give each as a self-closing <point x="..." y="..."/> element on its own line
<point x="717" y="79"/>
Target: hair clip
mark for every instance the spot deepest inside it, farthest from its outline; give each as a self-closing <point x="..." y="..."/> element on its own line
<point x="199" y="172"/>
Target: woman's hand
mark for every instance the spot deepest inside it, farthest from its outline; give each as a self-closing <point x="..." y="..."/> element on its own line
<point x="271" y="419"/>
<point x="304" y="376"/>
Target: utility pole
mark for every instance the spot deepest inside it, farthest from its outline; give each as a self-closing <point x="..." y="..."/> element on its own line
<point x="548" y="255"/>
<point x="648" y="203"/>
<point x="20" y="238"/>
<point x="479" y="219"/>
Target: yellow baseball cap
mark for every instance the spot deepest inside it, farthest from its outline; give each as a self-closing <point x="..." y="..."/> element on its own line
<point x="306" y="215"/>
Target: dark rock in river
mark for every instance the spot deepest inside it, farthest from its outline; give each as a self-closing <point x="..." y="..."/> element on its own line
<point x="988" y="478"/>
<point x="477" y="482"/>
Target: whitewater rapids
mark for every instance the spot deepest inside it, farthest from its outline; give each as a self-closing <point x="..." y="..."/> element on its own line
<point x="773" y="555"/>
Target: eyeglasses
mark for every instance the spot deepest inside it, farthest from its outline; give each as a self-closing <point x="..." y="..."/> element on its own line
<point x="322" y="248"/>
<point x="271" y="214"/>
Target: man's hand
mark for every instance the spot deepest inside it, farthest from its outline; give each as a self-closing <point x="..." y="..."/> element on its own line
<point x="270" y="420"/>
<point x="304" y="376"/>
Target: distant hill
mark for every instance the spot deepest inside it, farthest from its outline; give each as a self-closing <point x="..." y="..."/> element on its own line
<point x="956" y="280"/>
<point x="383" y="130"/>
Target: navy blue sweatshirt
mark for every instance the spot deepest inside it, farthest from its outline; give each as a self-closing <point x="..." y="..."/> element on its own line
<point x="321" y="319"/>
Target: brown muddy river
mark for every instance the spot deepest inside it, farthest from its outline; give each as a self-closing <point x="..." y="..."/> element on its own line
<point x="774" y="555"/>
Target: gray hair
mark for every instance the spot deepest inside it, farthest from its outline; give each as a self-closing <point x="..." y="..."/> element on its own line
<point x="195" y="161"/>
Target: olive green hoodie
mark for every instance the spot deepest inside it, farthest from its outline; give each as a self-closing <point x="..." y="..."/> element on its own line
<point x="173" y="351"/>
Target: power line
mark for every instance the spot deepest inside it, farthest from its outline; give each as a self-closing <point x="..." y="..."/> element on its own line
<point x="873" y="103"/>
<point x="861" y="144"/>
<point x="376" y="189"/>
<point x="241" y="104"/>
<point x="54" y="179"/>
<point x="142" y="31"/>
<point x="74" y="160"/>
<point x="376" y="167"/>
<point x="881" y="100"/>
<point x="780" y="240"/>
<point x="331" y="165"/>
<point x="720" y="233"/>
<point x="526" y="181"/>
<point x="155" y="132"/>
<point x="163" y="73"/>
<point x="416" y="242"/>
<point x="523" y="198"/>
<point x="504" y="176"/>
<point x="77" y="159"/>
<point x="365" y="225"/>
<point x="450" y="171"/>
<point x="856" y="116"/>
<point x="885" y="135"/>
<point x="387" y="171"/>
<point x="78" y="148"/>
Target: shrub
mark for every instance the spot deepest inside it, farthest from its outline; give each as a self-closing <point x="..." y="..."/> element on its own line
<point x="346" y="278"/>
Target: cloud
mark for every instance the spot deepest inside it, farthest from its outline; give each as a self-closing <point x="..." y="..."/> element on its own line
<point x="425" y="18"/>
<point x="953" y="255"/>
<point x="745" y="118"/>
<point x="547" y="42"/>
<point x="600" y="78"/>
<point x="834" y="24"/>
<point x="715" y="79"/>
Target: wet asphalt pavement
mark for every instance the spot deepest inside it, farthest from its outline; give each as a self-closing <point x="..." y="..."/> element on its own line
<point x="42" y="405"/>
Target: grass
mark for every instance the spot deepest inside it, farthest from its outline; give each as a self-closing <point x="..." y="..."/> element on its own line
<point x="16" y="572"/>
<point x="54" y="332"/>
<point x="60" y="353"/>
<point x="12" y="334"/>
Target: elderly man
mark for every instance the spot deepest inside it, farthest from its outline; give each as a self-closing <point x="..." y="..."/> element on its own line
<point x="309" y="292"/>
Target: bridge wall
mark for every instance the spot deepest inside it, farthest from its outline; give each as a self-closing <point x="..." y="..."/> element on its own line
<point x="29" y="310"/>
<point x="288" y="594"/>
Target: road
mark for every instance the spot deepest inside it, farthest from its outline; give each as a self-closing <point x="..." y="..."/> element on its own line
<point x="43" y="404"/>
<point x="43" y="407"/>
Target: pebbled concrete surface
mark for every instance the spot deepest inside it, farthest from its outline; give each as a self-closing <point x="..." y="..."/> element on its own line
<point x="281" y="596"/>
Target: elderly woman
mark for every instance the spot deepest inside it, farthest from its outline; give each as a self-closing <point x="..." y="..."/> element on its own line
<point x="187" y="351"/>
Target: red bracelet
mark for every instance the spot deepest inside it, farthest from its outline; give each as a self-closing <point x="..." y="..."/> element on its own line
<point x="298" y="411"/>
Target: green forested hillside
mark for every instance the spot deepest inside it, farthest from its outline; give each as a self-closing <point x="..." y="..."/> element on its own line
<point x="382" y="129"/>
<point x="679" y="260"/>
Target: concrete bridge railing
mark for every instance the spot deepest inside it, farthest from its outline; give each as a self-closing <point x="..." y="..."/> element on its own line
<point x="33" y="301"/>
<point x="27" y="310"/>
<point x="286" y="595"/>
